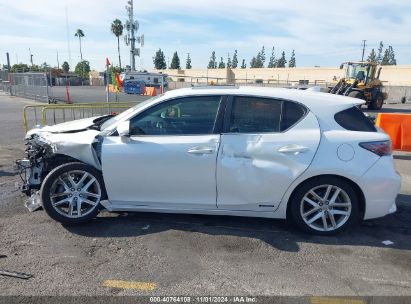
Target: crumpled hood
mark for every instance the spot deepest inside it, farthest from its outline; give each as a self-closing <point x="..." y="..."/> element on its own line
<point x="75" y="125"/>
<point x="74" y="144"/>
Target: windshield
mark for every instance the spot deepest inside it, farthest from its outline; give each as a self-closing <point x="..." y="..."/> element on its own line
<point x="358" y="71"/>
<point x="127" y="112"/>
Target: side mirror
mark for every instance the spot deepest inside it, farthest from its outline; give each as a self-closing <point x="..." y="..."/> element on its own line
<point x="123" y="128"/>
<point x="341" y="66"/>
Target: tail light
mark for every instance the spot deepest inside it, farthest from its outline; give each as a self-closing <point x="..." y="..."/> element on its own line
<point x="381" y="148"/>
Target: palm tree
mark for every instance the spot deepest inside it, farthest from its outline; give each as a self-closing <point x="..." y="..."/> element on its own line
<point x="117" y="29"/>
<point x="79" y="33"/>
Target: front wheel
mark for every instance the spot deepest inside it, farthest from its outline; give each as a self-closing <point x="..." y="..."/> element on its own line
<point x="71" y="193"/>
<point x="325" y="206"/>
<point x="377" y="103"/>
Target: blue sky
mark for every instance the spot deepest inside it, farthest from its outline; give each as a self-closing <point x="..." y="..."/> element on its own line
<point x="323" y="33"/>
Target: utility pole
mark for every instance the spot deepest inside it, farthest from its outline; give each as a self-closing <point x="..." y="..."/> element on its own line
<point x="31" y="57"/>
<point x="68" y="36"/>
<point x="131" y="38"/>
<point x="363" y="49"/>
<point x="8" y="62"/>
<point x="58" y="62"/>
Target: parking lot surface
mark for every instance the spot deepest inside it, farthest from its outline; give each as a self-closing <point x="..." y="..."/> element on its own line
<point x="151" y="254"/>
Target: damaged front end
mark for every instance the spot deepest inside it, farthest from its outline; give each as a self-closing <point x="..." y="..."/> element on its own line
<point x="31" y="168"/>
<point x="48" y="150"/>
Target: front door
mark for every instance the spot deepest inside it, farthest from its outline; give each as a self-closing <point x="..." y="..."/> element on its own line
<point x="268" y="143"/>
<point x="169" y="161"/>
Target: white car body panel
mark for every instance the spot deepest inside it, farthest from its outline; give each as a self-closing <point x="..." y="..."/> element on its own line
<point x="380" y="184"/>
<point x="327" y="161"/>
<point x="160" y="171"/>
<point x="252" y="174"/>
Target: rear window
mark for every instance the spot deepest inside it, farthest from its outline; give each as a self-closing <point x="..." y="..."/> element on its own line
<point x="353" y="119"/>
<point x="292" y="113"/>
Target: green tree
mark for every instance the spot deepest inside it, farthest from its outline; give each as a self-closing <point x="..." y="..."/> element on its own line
<point x="253" y="63"/>
<point x="272" y="62"/>
<point x="44" y="67"/>
<point x="82" y="69"/>
<point x="380" y="50"/>
<point x="20" y="68"/>
<point x="65" y="66"/>
<point x="229" y="64"/>
<point x="221" y="65"/>
<point x="392" y="60"/>
<point x="243" y="65"/>
<point x="262" y="56"/>
<point x="212" y="64"/>
<point x="175" y="62"/>
<point x="282" y="61"/>
<point x="117" y="29"/>
<point x="188" y="62"/>
<point x="292" y="63"/>
<point x="386" y="58"/>
<point x="372" y="57"/>
<point x="234" y="63"/>
<point x="258" y="61"/>
<point x="389" y="57"/>
<point x="79" y="33"/>
<point x="159" y="60"/>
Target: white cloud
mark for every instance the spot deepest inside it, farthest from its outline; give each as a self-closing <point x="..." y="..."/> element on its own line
<point x="321" y="32"/>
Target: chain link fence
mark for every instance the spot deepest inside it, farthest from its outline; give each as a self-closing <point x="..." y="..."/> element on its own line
<point x="30" y="85"/>
<point x="4" y="81"/>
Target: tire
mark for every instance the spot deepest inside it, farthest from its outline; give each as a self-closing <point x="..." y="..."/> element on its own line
<point x="71" y="193"/>
<point x="306" y="207"/>
<point x="377" y="103"/>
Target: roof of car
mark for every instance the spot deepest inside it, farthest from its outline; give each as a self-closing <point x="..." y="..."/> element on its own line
<point x="315" y="101"/>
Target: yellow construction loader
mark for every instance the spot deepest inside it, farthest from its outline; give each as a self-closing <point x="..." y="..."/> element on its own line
<point x="362" y="81"/>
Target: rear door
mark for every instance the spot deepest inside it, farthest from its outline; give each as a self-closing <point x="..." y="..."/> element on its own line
<point x="266" y="144"/>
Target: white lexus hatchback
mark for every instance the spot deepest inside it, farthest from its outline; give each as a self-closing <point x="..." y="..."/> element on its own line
<point x="313" y="158"/>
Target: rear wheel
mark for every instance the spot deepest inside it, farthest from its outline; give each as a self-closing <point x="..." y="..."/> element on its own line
<point x="71" y="193"/>
<point x="325" y="206"/>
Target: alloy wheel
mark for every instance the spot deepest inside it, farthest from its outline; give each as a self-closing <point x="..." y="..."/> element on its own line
<point x="325" y="208"/>
<point x="75" y="194"/>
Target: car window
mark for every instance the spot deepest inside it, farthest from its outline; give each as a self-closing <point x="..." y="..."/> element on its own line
<point x="181" y="116"/>
<point x="291" y="114"/>
<point x="353" y="119"/>
<point x="255" y="115"/>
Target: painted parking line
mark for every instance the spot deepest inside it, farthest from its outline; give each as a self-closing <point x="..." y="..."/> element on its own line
<point x="146" y="286"/>
<point x="328" y="300"/>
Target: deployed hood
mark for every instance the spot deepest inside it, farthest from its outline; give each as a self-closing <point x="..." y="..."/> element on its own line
<point x="69" y="126"/>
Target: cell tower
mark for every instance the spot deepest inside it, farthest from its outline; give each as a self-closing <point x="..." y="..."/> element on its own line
<point x="131" y="38"/>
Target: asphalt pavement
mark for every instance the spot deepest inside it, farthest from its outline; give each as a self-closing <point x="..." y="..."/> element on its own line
<point x="163" y="254"/>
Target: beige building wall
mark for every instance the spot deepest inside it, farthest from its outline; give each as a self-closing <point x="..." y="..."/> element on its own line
<point x="391" y="75"/>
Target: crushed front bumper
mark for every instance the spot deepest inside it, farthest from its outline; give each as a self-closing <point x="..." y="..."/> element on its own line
<point x="30" y="176"/>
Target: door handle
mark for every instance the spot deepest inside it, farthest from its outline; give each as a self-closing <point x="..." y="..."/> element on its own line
<point x="200" y="150"/>
<point x="293" y="149"/>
